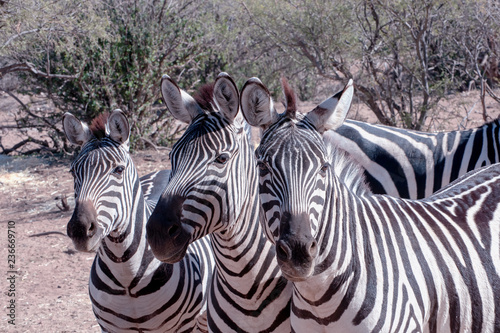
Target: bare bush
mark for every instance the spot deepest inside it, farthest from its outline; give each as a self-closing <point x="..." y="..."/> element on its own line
<point x="406" y="57"/>
<point x="109" y="60"/>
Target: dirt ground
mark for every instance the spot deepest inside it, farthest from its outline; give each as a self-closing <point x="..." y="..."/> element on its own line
<point x="51" y="278"/>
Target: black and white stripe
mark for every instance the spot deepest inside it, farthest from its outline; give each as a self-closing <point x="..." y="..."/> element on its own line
<point x="214" y="190"/>
<point x="129" y="288"/>
<point x="412" y="164"/>
<point x="372" y="263"/>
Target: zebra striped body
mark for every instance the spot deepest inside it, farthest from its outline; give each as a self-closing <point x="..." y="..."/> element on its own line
<point x="372" y="263"/>
<point x="213" y="190"/>
<point x="129" y="288"/>
<point x="412" y="164"/>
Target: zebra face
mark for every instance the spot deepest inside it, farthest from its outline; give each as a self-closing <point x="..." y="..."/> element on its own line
<point x="295" y="172"/>
<point x="292" y="189"/>
<point x="205" y="193"/>
<point x="196" y="202"/>
<point x="103" y="172"/>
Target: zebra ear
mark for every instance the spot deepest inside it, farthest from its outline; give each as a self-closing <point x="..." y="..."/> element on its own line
<point x="117" y="127"/>
<point x="76" y="131"/>
<point x="256" y="104"/>
<point x="182" y="106"/>
<point x="331" y="113"/>
<point x="226" y="96"/>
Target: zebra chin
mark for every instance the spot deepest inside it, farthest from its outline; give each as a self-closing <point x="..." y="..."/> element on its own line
<point x="167" y="255"/>
<point x="87" y="245"/>
<point x="294" y="276"/>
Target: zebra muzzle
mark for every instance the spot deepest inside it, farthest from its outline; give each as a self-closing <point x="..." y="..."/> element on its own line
<point x="296" y="248"/>
<point x="82" y="227"/>
<point x="166" y="234"/>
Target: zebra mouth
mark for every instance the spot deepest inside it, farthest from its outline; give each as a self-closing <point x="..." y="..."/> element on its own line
<point x="172" y="257"/>
<point x="293" y="278"/>
<point x="87" y="245"/>
<point x="170" y="247"/>
<point x="95" y="247"/>
<point x="293" y="273"/>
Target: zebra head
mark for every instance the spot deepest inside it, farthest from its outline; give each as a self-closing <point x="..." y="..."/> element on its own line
<point x="293" y="164"/>
<point x="102" y="171"/>
<point x="206" y="162"/>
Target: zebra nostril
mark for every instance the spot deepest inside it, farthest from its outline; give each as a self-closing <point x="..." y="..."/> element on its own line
<point x="92" y="230"/>
<point x="283" y="251"/>
<point x="174" y="231"/>
<point x="313" y="249"/>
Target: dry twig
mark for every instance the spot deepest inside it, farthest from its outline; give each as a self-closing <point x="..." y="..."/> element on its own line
<point x="64" y="207"/>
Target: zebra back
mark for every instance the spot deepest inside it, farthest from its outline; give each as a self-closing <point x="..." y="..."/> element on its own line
<point x="413" y="164"/>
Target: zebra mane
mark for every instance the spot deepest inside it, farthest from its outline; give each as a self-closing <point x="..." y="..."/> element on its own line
<point x="290" y="99"/>
<point x="204" y="96"/>
<point x="350" y="172"/>
<point x="98" y="125"/>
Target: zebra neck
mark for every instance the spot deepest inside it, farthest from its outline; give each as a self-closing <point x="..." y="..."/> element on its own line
<point x="125" y="252"/>
<point x="244" y="245"/>
<point x="340" y="252"/>
<point x="246" y="265"/>
<point x="244" y="216"/>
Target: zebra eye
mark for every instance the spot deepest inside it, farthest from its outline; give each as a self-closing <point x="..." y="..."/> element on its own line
<point x="324" y="169"/>
<point x="263" y="170"/>
<point x="72" y="172"/>
<point x="118" y="170"/>
<point x="222" y="158"/>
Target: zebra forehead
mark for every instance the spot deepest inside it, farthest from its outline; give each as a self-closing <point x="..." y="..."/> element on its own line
<point x="290" y="140"/>
<point x="288" y="133"/>
<point x="100" y="152"/>
<point x="207" y="125"/>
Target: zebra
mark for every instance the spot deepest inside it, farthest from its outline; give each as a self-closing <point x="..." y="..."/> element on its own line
<point x="412" y="164"/>
<point x="212" y="190"/>
<point x="362" y="262"/>
<point x="129" y="288"/>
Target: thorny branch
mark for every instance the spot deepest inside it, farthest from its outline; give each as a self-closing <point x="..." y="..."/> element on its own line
<point x="29" y="67"/>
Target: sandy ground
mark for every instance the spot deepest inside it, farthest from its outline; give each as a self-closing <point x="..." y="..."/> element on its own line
<point x="51" y="278"/>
